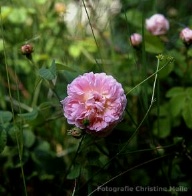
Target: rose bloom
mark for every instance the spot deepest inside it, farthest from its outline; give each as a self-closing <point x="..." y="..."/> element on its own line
<point x="95" y="102"/>
<point x="186" y="35"/>
<point x="135" y="39"/>
<point x="157" y="24"/>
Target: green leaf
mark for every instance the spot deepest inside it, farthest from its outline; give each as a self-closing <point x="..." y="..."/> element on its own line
<point x="46" y="74"/>
<point x="75" y="50"/>
<point x="176" y="104"/>
<point x="3" y="139"/>
<point x="75" y="172"/>
<point x="1" y="45"/>
<point x="29" y="116"/>
<point x="188" y="92"/>
<point x="164" y="128"/>
<point x="50" y="73"/>
<point x="53" y="68"/>
<point x="162" y="109"/>
<point x="43" y="146"/>
<point x="41" y="153"/>
<point x="5" y="116"/>
<point x="187" y="113"/>
<point x="134" y="17"/>
<point x="189" y="52"/>
<point x="175" y="91"/>
<point x="88" y="44"/>
<point x="18" y="15"/>
<point x="166" y="70"/>
<point x="13" y="135"/>
<point x="153" y="44"/>
<point x="29" y="138"/>
<point x="5" y="11"/>
<point x="40" y="1"/>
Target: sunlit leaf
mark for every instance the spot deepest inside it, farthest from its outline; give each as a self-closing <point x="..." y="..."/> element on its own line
<point x="5" y="11"/>
<point x="75" y="50"/>
<point x="18" y="15"/>
<point x="40" y="1"/>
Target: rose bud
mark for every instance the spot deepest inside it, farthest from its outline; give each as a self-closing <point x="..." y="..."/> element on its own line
<point x="27" y="50"/>
<point x="157" y="24"/>
<point x="136" y="39"/>
<point x="186" y="36"/>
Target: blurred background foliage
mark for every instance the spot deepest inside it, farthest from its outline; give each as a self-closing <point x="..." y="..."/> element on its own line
<point x="38" y="157"/>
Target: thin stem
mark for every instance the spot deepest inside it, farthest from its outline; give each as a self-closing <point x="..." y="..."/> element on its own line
<point x="148" y="77"/>
<point x="11" y="102"/>
<point x="93" y="35"/>
<point x="74" y="158"/>
<point x="130" y="169"/>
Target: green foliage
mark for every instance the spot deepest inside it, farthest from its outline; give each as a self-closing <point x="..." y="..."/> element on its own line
<point x="180" y="103"/>
<point x="153" y="44"/>
<point x="5" y="116"/>
<point x="40" y="153"/>
<point x="48" y="74"/>
<point x="3" y="139"/>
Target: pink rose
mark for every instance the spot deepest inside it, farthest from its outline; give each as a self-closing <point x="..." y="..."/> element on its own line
<point x="186" y="35"/>
<point x="135" y="39"/>
<point x="95" y="102"/>
<point x="157" y="24"/>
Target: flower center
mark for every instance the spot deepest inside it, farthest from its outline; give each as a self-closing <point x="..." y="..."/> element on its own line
<point x="95" y="102"/>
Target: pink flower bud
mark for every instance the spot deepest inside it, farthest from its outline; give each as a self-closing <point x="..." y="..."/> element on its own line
<point x="186" y="36"/>
<point x="95" y="103"/>
<point x="136" y="39"/>
<point x="157" y="24"/>
<point x="26" y="49"/>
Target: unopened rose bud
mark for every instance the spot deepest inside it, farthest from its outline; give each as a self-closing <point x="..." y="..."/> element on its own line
<point x="157" y="24"/>
<point x="26" y="49"/>
<point x="136" y="39"/>
<point x="75" y="132"/>
<point x="186" y="36"/>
